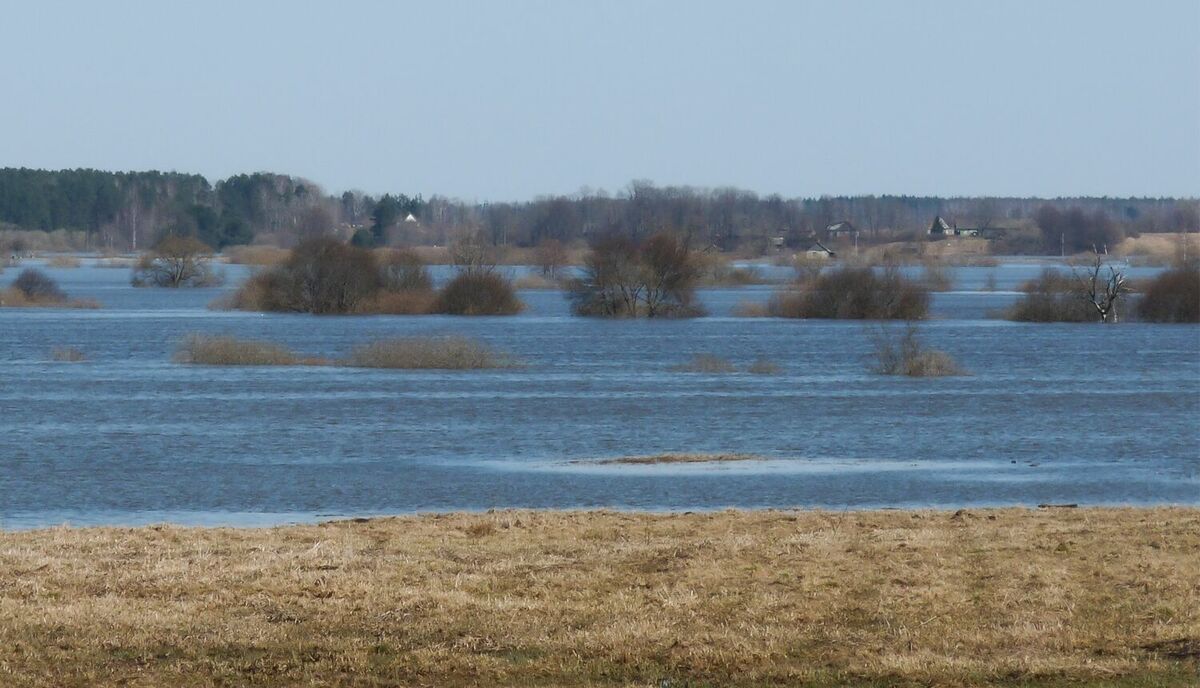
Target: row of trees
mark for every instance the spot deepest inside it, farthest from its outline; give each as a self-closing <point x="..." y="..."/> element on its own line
<point x="134" y="209"/>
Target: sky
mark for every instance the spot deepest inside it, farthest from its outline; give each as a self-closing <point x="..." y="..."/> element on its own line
<point x="492" y="101"/>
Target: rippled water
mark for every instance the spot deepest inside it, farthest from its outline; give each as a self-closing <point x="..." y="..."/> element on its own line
<point x="1051" y="413"/>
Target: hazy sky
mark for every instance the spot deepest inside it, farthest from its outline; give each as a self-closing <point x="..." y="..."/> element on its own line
<point x="509" y="100"/>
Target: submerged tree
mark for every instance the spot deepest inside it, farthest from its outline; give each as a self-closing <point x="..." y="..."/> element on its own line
<point x="176" y="261"/>
<point x="622" y="278"/>
<point x="1102" y="292"/>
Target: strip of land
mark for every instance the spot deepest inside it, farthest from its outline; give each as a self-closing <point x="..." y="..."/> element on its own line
<point x="1010" y="597"/>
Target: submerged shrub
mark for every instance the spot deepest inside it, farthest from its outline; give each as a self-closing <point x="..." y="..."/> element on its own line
<point x="176" y="262"/>
<point x="37" y="287"/>
<point x="403" y="270"/>
<point x="478" y="293"/>
<point x="763" y="366"/>
<point x="623" y="279"/>
<point x="1052" y="297"/>
<point x="705" y="363"/>
<point x="204" y="349"/>
<point x="67" y="354"/>
<point x="445" y="353"/>
<point x="1172" y="297"/>
<point x="856" y="294"/>
<point x="907" y="355"/>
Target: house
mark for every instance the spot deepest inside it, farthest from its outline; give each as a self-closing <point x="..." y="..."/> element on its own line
<point x="840" y="229"/>
<point x="410" y="218"/>
<point x="941" y="229"/>
<point x="817" y="250"/>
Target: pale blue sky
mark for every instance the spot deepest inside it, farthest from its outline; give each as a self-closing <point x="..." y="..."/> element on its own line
<point x="508" y="100"/>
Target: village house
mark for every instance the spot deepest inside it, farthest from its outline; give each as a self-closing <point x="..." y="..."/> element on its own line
<point x="818" y="250"/>
<point x="841" y="229"/>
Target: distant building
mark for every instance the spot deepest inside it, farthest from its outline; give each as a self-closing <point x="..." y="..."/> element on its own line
<point x="840" y="229"/>
<point x="941" y="229"/>
<point x="818" y="250"/>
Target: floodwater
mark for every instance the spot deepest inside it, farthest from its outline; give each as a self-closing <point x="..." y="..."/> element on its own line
<point x="1051" y="413"/>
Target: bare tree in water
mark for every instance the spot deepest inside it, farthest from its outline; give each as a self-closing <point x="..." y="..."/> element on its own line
<point x="1102" y="291"/>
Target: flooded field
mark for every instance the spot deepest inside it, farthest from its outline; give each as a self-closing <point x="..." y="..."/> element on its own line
<point x="1050" y="413"/>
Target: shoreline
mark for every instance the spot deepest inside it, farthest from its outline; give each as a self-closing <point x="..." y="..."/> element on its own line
<point x="974" y="596"/>
<point x="259" y="520"/>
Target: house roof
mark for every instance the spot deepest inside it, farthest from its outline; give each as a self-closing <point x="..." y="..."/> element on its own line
<point x="818" y="246"/>
<point x="843" y="226"/>
<point x="940" y="225"/>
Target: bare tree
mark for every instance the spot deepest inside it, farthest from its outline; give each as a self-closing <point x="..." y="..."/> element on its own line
<point x="176" y="261"/>
<point x="551" y="257"/>
<point x="471" y="252"/>
<point x="1103" y="292"/>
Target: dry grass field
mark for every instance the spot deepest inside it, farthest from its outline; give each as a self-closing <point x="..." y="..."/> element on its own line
<point x="1056" y="597"/>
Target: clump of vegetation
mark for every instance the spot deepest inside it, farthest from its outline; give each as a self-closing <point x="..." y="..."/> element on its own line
<point x="38" y="287"/>
<point x="679" y="458"/>
<point x="256" y="255"/>
<point x="1086" y="295"/>
<point x="937" y="276"/>
<point x="35" y="289"/>
<point x="705" y="363"/>
<point x="326" y="277"/>
<point x="201" y="349"/>
<point x="625" y="279"/>
<point x="763" y="366"/>
<point x="177" y="261"/>
<point x="63" y="262"/>
<point x="1051" y="297"/>
<point x="410" y="353"/>
<point x="907" y="355"/>
<point x="478" y="293"/>
<point x="853" y="293"/>
<point x="1172" y="297"/>
<point x="716" y="270"/>
<point x="67" y="354"/>
<point x="415" y="353"/>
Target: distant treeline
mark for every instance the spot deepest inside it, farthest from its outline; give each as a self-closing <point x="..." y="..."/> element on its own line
<point x="124" y="210"/>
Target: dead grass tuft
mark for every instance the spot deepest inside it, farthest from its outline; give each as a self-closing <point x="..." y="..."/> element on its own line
<point x="705" y="363"/>
<point x="444" y="353"/>
<point x="63" y="262"/>
<point x="201" y="349"/>
<point x="67" y="354"/>
<point x="679" y="458"/>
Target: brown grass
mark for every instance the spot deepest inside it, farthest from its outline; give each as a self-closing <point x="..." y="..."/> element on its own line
<point x="677" y="458"/>
<point x="67" y="354"/>
<point x="763" y="366"/>
<point x="15" y="298"/>
<point x="203" y="349"/>
<point x="410" y="353"/>
<point x="705" y="363"/>
<point x="415" y="353"/>
<point x="1012" y="597"/>
<point x="63" y="262"/>
<point x="256" y="255"/>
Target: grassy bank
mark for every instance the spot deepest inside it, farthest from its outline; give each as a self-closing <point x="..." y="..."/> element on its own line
<point x="1057" y="597"/>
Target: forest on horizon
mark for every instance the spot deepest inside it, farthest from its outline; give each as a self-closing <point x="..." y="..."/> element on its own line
<point x="133" y="210"/>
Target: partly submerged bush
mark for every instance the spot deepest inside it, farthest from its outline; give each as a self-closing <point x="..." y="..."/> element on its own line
<point x="624" y="279"/>
<point x="64" y="262"/>
<point x="403" y="270"/>
<point x="906" y="354"/>
<point x="67" y="354"/>
<point x="1172" y="297"/>
<point x="177" y="261"/>
<point x="325" y="276"/>
<point x="763" y="366"/>
<point x="853" y="293"/>
<point x="478" y="293"/>
<point x="37" y="287"/>
<point x="1052" y="297"/>
<point x="445" y="353"/>
<point x="705" y="363"/>
<point x="202" y="349"/>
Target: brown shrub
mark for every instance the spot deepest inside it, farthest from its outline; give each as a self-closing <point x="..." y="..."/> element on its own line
<point x="37" y="287"/>
<point x="763" y="366"/>
<point x="67" y="354"/>
<point x="403" y="270"/>
<point x="478" y="293"/>
<point x="1172" y="297"/>
<point x="1052" y="297"/>
<point x="398" y="303"/>
<point x="856" y="294"/>
<point x="907" y="355"/>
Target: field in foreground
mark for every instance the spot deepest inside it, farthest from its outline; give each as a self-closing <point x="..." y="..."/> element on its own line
<point x="1008" y="597"/>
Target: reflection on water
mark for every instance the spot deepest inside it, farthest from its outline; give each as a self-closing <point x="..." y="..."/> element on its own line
<point x="1052" y="413"/>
